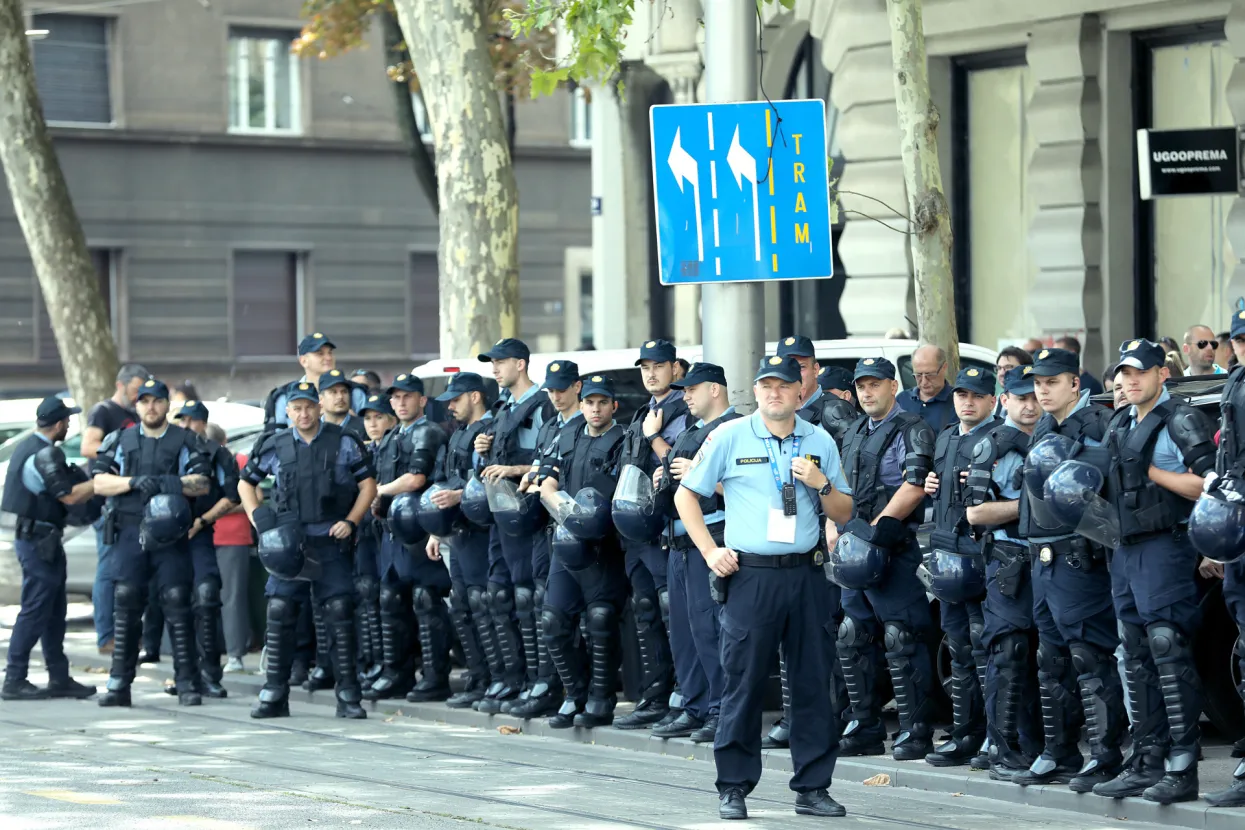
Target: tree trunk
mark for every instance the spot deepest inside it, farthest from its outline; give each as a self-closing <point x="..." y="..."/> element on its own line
<point x="478" y="252"/>
<point x="45" y="212"/>
<point x="927" y="204"/>
<point x="421" y="159"/>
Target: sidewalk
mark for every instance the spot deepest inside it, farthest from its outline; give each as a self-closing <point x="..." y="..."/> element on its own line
<point x="1216" y="769"/>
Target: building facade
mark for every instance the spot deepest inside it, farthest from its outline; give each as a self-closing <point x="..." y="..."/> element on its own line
<point x="235" y="197"/>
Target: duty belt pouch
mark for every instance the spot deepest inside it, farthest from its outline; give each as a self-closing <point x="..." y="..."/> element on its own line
<point x="110" y="527"/>
<point x="48" y="547"/>
<point x="718" y="586"/>
<point x="1011" y="573"/>
<point x="1082" y="554"/>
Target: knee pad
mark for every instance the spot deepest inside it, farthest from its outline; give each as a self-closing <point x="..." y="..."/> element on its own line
<point x="501" y="600"/>
<point x="977" y="633"/>
<point x="458" y="602"/>
<point x="898" y="639"/>
<point x="128" y="595"/>
<point x="1134" y="639"/>
<point x="281" y="611"/>
<point x="524" y="599"/>
<point x="338" y="609"/>
<point x="852" y="634"/>
<point x="477" y="600"/>
<point x="1168" y="643"/>
<point x="538" y="596"/>
<point x="961" y="652"/>
<point x="423" y="600"/>
<point x="555" y="624"/>
<point x="207" y="592"/>
<point x="601" y="619"/>
<point x="390" y="599"/>
<point x="1051" y="660"/>
<point x="645" y="608"/>
<point x="175" y="596"/>
<point x="1086" y="659"/>
<point x="1012" y="649"/>
<point x="363" y="587"/>
<point x="663" y="603"/>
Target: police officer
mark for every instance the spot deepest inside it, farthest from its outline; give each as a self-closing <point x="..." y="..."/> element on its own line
<point x="888" y="454"/>
<point x="704" y="391"/>
<point x="511" y="447"/>
<point x="133" y="468"/>
<point x="317" y="356"/>
<point x="324" y="487"/>
<point x="587" y="575"/>
<point x="1077" y="634"/>
<point x="562" y="385"/>
<point x="774" y="469"/>
<point x="992" y="494"/>
<point x="954" y="543"/>
<point x="337" y="393"/>
<point x="466" y="399"/>
<point x="39" y="488"/>
<point x="837" y="381"/>
<point x="650" y="435"/>
<point x="378" y="419"/>
<point x="221" y="498"/>
<point x="405" y="463"/>
<point x="1161" y="449"/>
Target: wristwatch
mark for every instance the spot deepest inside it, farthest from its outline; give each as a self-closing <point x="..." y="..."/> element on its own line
<point x="827" y="489"/>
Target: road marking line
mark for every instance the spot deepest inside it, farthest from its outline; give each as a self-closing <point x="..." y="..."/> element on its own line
<point x="717" y="264"/>
<point x="72" y="797"/>
<point x="710" y="116"/>
<point x="713" y="177"/>
<point x="769" y="137"/>
<point x="716" y="243"/>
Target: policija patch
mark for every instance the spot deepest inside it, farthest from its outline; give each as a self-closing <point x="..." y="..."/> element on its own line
<point x="756" y="459"/>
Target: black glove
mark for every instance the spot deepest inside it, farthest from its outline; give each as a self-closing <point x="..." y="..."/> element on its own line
<point x="859" y="528"/>
<point x="264" y="518"/>
<point x="148" y="486"/>
<point x="171" y="485"/>
<point x="890" y="533"/>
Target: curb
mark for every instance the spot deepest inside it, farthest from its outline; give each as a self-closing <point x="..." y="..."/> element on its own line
<point x="912" y="775"/>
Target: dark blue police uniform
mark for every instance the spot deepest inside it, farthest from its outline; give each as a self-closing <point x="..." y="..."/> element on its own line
<point x="1153" y="586"/>
<point x="586" y="576"/>
<point x="880" y="456"/>
<point x="779" y="595"/>
<point x="154" y="464"/>
<point x="317" y="484"/>
<point x="37" y="479"/>
<point x="367" y="572"/>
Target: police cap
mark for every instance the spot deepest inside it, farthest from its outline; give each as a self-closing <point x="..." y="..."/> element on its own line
<point x="333" y="378"/>
<point x="194" y="410"/>
<point x="973" y="379"/>
<point x="1019" y="381"/>
<point x="561" y="375"/>
<point x="314" y="342"/>
<point x="377" y="403"/>
<point x="52" y="410"/>
<point x="406" y="383"/>
<point x="508" y="347"/>
<point x="461" y="384"/>
<point x="1050" y="362"/>
<point x="835" y="378"/>
<point x="301" y="390"/>
<point x="153" y="388"/>
<point x="658" y="351"/>
<point x="1238" y="321"/>
<point x="1140" y="354"/>
<point x="796" y="346"/>
<point x="701" y="373"/>
<point x="784" y="368"/>
<point x="597" y="385"/>
<point x="874" y="367"/>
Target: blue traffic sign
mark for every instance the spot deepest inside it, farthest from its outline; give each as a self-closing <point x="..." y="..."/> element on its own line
<point x="742" y="191"/>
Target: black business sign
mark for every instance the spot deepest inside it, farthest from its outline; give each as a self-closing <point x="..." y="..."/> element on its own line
<point x="1188" y="162"/>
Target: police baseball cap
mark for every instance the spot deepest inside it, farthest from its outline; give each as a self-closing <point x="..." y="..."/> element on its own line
<point x="334" y="378"/>
<point x="505" y="348"/>
<point x="301" y="390"/>
<point x="1050" y="362"/>
<point x="977" y="381"/>
<point x="658" y="351"/>
<point x="314" y="342"/>
<point x="835" y="377"/>
<point x="377" y="403"/>
<point x="874" y="367"/>
<point x="194" y="410"/>
<point x="597" y="385"/>
<point x="701" y="373"/>
<point x="1238" y="324"/>
<point x="153" y="388"/>
<point x="406" y="383"/>
<point x="52" y="410"/>
<point x="784" y="368"/>
<point x="1140" y="354"/>
<point x="796" y="346"/>
<point x="461" y="384"/>
<point x="561" y="375"/>
<point x="1019" y="381"/>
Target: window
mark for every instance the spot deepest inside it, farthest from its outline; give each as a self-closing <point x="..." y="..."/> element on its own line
<point x="266" y="300"/>
<point x="425" y="306"/>
<point x="72" y="69"/>
<point x="421" y="116"/>
<point x="263" y="82"/>
<point x="581" y="119"/>
<point x="104" y="262"/>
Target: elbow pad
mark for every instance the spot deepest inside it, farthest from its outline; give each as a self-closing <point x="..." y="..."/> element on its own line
<point x="919" y="462"/>
<point x="51" y="465"/>
<point x="1194" y="435"/>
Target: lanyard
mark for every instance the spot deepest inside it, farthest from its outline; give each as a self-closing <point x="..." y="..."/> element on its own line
<point x="773" y="462"/>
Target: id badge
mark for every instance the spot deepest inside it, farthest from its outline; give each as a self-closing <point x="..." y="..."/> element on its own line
<point x="781" y="528"/>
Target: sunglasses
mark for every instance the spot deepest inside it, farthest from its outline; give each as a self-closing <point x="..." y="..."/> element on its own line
<point x="1214" y="344"/>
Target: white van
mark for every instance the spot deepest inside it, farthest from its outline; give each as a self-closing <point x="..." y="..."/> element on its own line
<point x="619" y="365"/>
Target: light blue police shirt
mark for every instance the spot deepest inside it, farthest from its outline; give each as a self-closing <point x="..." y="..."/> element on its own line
<point x="718" y="515"/>
<point x="1167" y="455"/>
<point x="670" y="431"/>
<point x="1004" y="477"/>
<point x="527" y="435"/>
<point x="348" y="456"/>
<point x="736" y="456"/>
<point x="32" y="479"/>
<point x="358" y="398"/>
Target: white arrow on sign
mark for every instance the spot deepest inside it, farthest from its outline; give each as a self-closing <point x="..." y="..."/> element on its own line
<point x="744" y="166"/>
<point x="683" y="166"/>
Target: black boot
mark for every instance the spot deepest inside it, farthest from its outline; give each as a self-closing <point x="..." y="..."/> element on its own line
<point x="559" y="635"/>
<point x="1144" y="767"/>
<point x="509" y="648"/>
<point x="1061" y="759"/>
<point x="526" y="614"/>
<point x="779" y="735"/>
<point x="1105" y="721"/>
<point x="395" y="632"/>
<point x="967" y="730"/>
<point x="1182" y="701"/>
<point x="274" y="698"/>
<point x="321" y="677"/>
<point x="864" y="733"/>
<point x="434" y="646"/>
<point x="339" y="620"/>
<point x="1233" y="796"/>
<point x="545" y="696"/>
<point x="473" y="654"/>
<point x="207" y="633"/>
<point x="911" y="694"/>
<point x="19" y="688"/>
<point x="127" y="614"/>
<point x="603" y="634"/>
<point x="369" y="656"/>
<point x="67" y="688"/>
<point x="707" y="733"/>
<point x="656" y="668"/>
<point x="175" y="600"/>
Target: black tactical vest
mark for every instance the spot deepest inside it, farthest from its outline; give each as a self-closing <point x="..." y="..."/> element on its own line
<point x="305" y="479"/>
<point x="143" y="456"/>
<point x="457" y="465"/>
<point x="953" y="454"/>
<point x="1143" y="506"/>
<point x="636" y="451"/>
<point x="594" y="461"/>
<point x="1230" y="458"/>
<point x="508" y="423"/>
<point x="222" y="458"/>
<point x="863" y="464"/>
<point x="686" y="446"/>
<point x="40" y="507"/>
<point x="1090" y="423"/>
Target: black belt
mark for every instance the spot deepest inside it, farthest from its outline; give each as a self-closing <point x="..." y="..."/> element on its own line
<point x="684" y="542"/>
<point x="28" y="530"/>
<point x="1009" y="549"/>
<point x="781" y="560"/>
<point x="1166" y="533"/>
